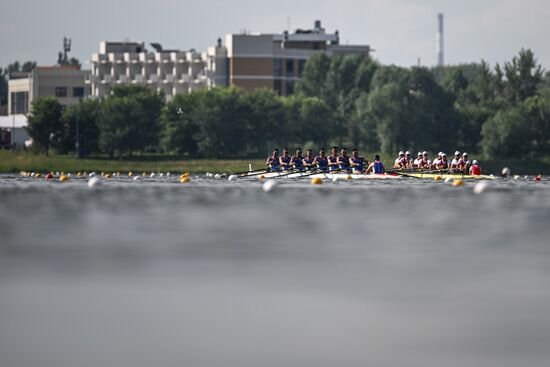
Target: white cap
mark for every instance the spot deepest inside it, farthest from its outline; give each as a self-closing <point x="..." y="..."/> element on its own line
<point x="401" y="153"/>
<point x="419" y="153"/>
<point x="408" y="153"/>
<point x="440" y="153"/>
<point x="424" y="153"/>
<point x="464" y="154"/>
<point x="474" y="162"/>
<point x="457" y="153"/>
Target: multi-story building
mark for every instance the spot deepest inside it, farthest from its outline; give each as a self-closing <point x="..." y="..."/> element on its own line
<point x="66" y="83"/>
<point x="277" y="60"/>
<point x="249" y="61"/>
<point x="167" y="71"/>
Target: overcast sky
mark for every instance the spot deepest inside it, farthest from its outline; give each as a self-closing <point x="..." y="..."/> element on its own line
<point x="401" y="31"/>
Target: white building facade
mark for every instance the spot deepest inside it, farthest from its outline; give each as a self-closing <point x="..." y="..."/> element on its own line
<point x="167" y="71"/>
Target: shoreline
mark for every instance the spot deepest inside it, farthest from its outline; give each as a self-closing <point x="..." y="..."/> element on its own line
<point x="15" y="162"/>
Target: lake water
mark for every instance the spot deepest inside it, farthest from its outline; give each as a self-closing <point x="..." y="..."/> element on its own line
<point x="216" y="273"/>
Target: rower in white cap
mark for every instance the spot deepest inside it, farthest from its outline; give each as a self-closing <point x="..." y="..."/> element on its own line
<point x="455" y="163"/>
<point x="400" y="161"/>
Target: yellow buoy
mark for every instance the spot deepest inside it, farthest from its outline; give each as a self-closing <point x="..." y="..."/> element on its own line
<point x="261" y="177"/>
<point x="63" y="178"/>
<point x="316" y="181"/>
<point x="144" y="174"/>
<point x="185" y="174"/>
<point x="185" y="179"/>
<point x="38" y="175"/>
<point x="130" y="174"/>
<point x="458" y="182"/>
<point x="438" y="178"/>
<point x="348" y="177"/>
<point x="108" y="176"/>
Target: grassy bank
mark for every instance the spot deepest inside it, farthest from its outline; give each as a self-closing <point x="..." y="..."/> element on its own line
<point x="22" y="161"/>
<point x="11" y="162"/>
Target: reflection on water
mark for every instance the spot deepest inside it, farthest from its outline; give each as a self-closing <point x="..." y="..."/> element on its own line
<point x="218" y="273"/>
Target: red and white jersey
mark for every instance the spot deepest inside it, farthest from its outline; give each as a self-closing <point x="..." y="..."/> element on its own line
<point x="437" y="161"/>
<point x="417" y="162"/>
<point x="455" y="162"/>
<point x="401" y="161"/>
<point x="462" y="162"/>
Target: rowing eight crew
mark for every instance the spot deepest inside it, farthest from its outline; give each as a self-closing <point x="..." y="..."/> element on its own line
<point x="331" y="163"/>
<point x="460" y="163"/>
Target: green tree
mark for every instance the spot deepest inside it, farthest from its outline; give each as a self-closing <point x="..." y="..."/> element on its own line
<point x="85" y="115"/>
<point x="523" y="76"/>
<point x="180" y="128"/>
<point x="45" y="126"/>
<point x="507" y="133"/>
<point x="130" y="120"/>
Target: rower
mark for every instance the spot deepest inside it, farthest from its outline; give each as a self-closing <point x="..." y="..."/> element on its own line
<point x="376" y="167"/>
<point x="437" y="161"/>
<point x="464" y="163"/>
<point x="455" y="165"/>
<point x="400" y="161"/>
<point x="408" y="160"/>
<point x="475" y="169"/>
<point x="308" y="160"/>
<point x="418" y="160"/>
<point x="343" y="160"/>
<point x="272" y="161"/>
<point x="443" y="162"/>
<point x="297" y="160"/>
<point x="333" y="159"/>
<point x="321" y="161"/>
<point x="356" y="162"/>
<point x="284" y="160"/>
<point x="425" y="162"/>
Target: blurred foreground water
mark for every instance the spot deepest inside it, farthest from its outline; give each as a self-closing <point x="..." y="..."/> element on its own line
<point x="212" y="273"/>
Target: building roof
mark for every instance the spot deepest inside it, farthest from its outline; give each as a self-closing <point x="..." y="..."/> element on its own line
<point x="7" y="122"/>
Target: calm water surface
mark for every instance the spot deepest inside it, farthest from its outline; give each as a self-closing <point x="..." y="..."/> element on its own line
<point x="218" y="273"/>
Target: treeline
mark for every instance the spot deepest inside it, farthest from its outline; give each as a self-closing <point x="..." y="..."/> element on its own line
<point x="344" y="100"/>
<point x="503" y="111"/>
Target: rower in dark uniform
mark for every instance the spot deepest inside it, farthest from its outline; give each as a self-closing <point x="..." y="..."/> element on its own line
<point x="333" y="159"/>
<point x="308" y="160"/>
<point x="343" y="160"/>
<point x="321" y="161"/>
<point x="284" y="160"/>
<point x="356" y="162"/>
<point x="376" y="167"/>
<point x="297" y="160"/>
<point x="272" y="161"/>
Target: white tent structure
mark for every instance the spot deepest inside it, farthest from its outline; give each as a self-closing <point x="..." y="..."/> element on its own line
<point x="12" y="130"/>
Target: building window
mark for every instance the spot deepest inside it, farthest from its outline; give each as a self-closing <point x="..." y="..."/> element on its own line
<point x="301" y="66"/>
<point x="60" y="92"/>
<point x="277" y="86"/>
<point x="19" y="102"/>
<point x="277" y="69"/>
<point x="290" y="67"/>
<point x="289" y="87"/>
<point x="78" y="92"/>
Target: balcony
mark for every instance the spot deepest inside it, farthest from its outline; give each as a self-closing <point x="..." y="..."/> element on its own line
<point x="107" y="79"/>
<point x="131" y="58"/>
<point x="153" y="79"/>
<point x="147" y="58"/>
<point x="100" y="58"/>
<point x="116" y="58"/>
<point x="169" y="78"/>
<point x="184" y="78"/>
<point x="139" y="79"/>
<point x="123" y="79"/>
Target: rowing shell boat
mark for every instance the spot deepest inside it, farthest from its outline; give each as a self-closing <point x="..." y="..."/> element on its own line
<point x="331" y="176"/>
<point x="450" y="175"/>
